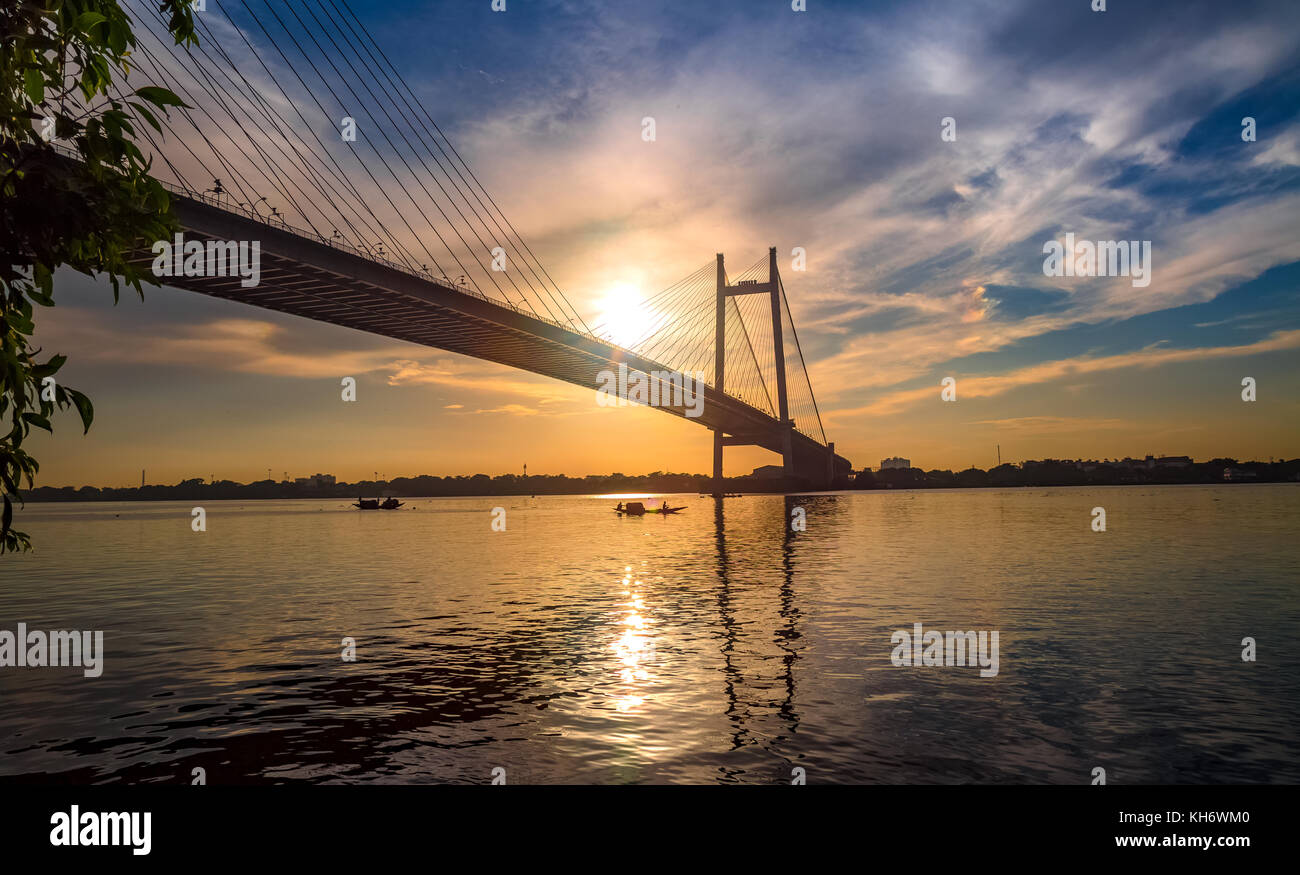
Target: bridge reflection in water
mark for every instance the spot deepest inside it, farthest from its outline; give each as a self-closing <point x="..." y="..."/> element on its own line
<point x="761" y="640"/>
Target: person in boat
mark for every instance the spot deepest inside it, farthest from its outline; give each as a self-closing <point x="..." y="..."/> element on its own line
<point x="620" y="506"/>
<point x="664" y="509"/>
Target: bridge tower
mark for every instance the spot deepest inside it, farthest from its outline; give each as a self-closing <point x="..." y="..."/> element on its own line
<point x="771" y="288"/>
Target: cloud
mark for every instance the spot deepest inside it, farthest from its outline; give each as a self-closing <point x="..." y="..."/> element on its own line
<point x="512" y="410"/>
<point x="262" y="347"/>
<point x="1037" y="425"/>
<point x="849" y="165"/>
<point x="1046" y="372"/>
<point x="480" y="376"/>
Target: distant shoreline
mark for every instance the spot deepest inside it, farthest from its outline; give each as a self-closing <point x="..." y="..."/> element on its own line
<point x="656" y="493"/>
<point x="1047" y="473"/>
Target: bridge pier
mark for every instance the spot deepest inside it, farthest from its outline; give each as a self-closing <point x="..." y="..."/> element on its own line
<point x="718" y="442"/>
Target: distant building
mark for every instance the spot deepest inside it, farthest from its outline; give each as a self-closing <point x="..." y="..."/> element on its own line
<point x="768" y="472"/>
<point x="895" y="462"/>
<point x="1173" y="462"/>
<point x="1231" y="474"/>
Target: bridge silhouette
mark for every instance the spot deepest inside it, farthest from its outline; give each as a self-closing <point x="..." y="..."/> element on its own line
<point x="243" y="140"/>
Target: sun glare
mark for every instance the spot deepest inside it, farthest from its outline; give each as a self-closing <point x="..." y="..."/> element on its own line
<point x="621" y="315"/>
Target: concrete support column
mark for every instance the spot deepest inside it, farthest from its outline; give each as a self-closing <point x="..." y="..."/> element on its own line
<point x="719" y="368"/>
<point x="778" y="348"/>
<point x="717" y="463"/>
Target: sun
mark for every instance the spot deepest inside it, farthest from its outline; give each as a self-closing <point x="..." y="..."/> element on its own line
<point x="622" y="315"/>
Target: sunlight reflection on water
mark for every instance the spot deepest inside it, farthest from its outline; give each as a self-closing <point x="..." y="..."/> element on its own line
<point x="711" y="646"/>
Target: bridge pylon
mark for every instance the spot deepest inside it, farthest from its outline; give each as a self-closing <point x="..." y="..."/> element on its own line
<point x="771" y="288"/>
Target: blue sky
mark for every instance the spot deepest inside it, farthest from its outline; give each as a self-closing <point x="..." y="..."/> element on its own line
<point x="820" y="130"/>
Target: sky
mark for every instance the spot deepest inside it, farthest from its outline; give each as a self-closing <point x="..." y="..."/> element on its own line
<point x="821" y="130"/>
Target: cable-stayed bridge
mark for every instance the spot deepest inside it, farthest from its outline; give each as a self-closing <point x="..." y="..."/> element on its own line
<point x="299" y="133"/>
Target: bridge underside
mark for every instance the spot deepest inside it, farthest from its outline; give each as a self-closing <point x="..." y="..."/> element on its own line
<point x="310" y="278"/>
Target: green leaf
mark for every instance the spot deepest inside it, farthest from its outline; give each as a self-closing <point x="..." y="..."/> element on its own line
<point x="20" y="322"/>
<point x="41" y="297"/>
<point x="148" y="116"/>
<point x="118" y="35"/>
<point x="49" y="368"/>
<point x="84" y="407"/>
<point x="34" y="85"/>
<point x="87" y="20"/>
<point x="159" y="96"/>
<point x="44" y="278"/>
<point x="39" y="421"/>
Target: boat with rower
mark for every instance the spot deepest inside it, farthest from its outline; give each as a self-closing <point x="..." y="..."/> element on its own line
<point x="636" y="508"/>
<point x="375" y="504"/>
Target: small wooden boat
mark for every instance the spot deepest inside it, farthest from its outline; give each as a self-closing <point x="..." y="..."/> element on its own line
<point x="367" y="504"/>
<point x="636" y="508"/>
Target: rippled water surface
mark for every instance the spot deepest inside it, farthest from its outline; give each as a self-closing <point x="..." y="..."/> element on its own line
<point x="711" y="646"/>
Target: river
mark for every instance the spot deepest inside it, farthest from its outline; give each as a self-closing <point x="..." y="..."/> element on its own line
<point x="713" y="646"/>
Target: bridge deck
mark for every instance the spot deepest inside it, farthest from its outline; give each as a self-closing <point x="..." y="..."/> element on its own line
<point x="307" y="277"/>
